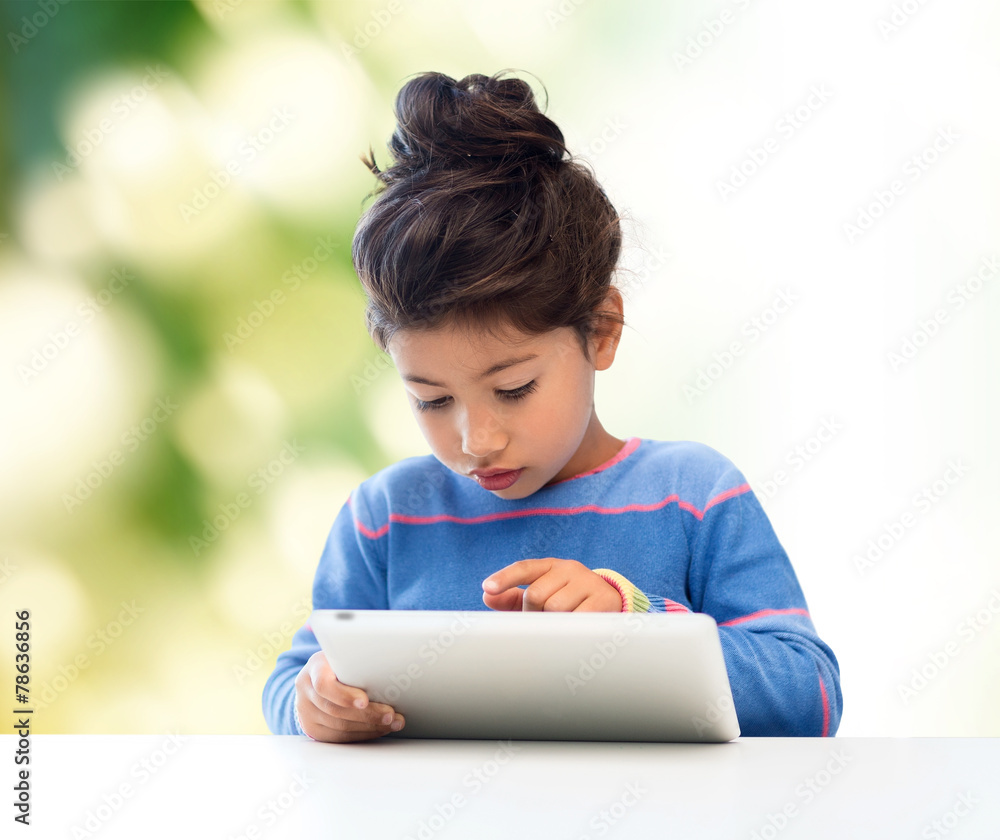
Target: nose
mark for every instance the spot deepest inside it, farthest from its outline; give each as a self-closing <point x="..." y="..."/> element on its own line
<point x="482" y="434"/>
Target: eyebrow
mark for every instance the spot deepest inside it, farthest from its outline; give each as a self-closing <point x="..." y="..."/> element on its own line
<point x="499" y="366"/>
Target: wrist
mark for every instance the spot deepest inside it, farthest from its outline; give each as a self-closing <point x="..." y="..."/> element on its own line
<point x="622" y="598"/>
<point x="298" y="722"/>
<point x="633" y="598"/>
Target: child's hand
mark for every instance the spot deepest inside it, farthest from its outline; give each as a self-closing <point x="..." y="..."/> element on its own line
<point x="328" y="709"/>
<point x="555" y="586"/>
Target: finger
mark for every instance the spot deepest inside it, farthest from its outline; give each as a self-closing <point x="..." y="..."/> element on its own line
<point x="318" y="673"/>
<point x="338" y="734"/>
<point x="331" y="693"/>
<point x="516" y="574"/>
<point x="567" y="599"/>
<point x="348" y="725"/>
<point x="327" y="713"/>
<point x="347" y="697"/>
<point x="333" y="736"/>
<point x="341" y="725"/>
<point x="540" y="593"/>
<point x="373" y="714"/>
<point x="321" y="687"/>
<point x="594" y="604"/>
<point x="505" y="601"/>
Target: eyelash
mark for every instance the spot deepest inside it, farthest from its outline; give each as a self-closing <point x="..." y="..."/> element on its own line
<point x="512" y="395"/>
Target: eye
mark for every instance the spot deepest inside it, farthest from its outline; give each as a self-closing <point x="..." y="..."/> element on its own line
<point x="428" y="406"/>
<point x="518" y="393"/>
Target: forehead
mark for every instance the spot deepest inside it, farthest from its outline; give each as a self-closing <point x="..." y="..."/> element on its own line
<point x="469" y="351"/>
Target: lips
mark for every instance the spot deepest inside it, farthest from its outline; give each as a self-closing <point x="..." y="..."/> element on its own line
<point x="491" y="472"/>
<point x="497" y="479"/>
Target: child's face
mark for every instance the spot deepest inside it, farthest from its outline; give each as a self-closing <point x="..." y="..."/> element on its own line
<point x="479" y="412"/>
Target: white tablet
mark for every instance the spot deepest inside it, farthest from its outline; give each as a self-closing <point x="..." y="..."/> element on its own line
<point x="537" y="675"/>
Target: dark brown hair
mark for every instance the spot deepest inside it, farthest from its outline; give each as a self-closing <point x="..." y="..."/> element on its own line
<point x="483" y="217"/>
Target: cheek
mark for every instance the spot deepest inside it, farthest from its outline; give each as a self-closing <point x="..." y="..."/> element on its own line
<point x="578" y="389"/>
<point x="430" y="426"/>
<point x="438" y="429"/>
<point x="568" y="406"/>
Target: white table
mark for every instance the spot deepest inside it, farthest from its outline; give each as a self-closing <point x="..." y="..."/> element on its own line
<point x="261" y="786"/>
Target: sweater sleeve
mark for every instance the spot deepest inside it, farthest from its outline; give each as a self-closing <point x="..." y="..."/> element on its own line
<point x="350" y="575"/>
<point x="785" y="680"/>
<point x="634" y="599"/>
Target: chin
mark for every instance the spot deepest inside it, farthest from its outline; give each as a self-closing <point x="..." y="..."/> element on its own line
<point x="513" y="493"/>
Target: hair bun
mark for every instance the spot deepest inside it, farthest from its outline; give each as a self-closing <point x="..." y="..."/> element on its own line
<point x="479" y="119"/>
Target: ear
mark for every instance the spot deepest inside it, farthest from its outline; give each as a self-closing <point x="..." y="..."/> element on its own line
<point x="604" y="344"/>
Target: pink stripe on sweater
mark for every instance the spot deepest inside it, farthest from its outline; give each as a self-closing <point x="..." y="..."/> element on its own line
<point x="726" y="494"/>
<point x="408" y="519"/>
<point x="372" y="535"/>
<point x="826" y="708"/>
<point x="763" y="614"/>
<point x="630" y="446"/>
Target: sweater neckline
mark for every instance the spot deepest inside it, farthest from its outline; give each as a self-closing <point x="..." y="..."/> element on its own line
<point x="630" y="446"/>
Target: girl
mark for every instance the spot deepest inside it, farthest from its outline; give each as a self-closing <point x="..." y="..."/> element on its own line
<point x="487" y="259"/>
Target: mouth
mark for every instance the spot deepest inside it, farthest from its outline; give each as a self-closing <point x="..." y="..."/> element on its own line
<point x="497" y="479"/>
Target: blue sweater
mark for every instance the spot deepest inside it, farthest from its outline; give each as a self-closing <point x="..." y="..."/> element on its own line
<point x="676" y="519"/>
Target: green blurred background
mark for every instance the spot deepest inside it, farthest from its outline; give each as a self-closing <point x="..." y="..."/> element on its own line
<point x="188" y="395"/>
<point x="198" y="390"/>
<point x="191" y="393"/>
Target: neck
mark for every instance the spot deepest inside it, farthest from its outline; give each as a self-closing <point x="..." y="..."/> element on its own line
<point x="597" y="446"/>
